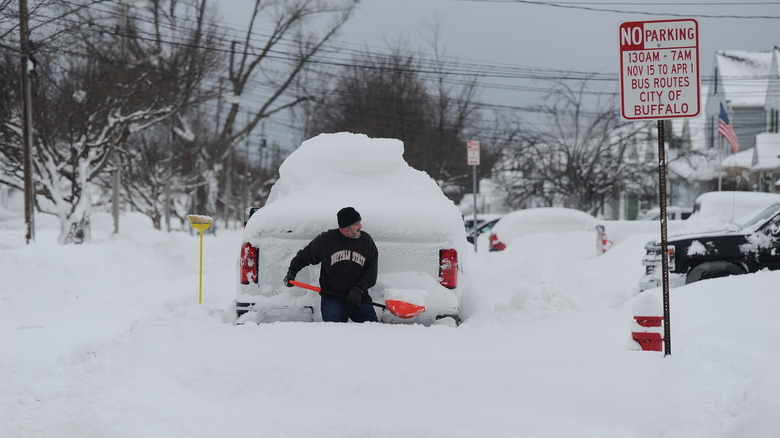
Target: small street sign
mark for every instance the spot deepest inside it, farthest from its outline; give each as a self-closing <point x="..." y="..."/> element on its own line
<point x="472" y="148"/>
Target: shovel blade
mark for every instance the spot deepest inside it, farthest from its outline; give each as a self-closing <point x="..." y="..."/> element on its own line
<point x="403" y="309"/>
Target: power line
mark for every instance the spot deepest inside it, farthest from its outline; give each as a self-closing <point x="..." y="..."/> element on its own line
<point x="333" y="55"/>
<point x="570" y="5"/>
<point x="663" y="3"/>
<point x="453" y="70"/>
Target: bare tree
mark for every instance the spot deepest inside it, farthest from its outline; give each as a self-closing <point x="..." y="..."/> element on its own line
<point x="381" y="96"/>
<point x="398" y="96"/>
<point x="584" y="160"/>
<point x="263" y="69"/>
<point x="456" y="115"/>
<point x="159" y="177"/>
<point x="89" y="98"/>
<point x="8" y="25"/>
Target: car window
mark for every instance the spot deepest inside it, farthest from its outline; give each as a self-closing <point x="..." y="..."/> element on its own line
<point x="774" y="226"/>
<point x="484" y="228"/>
<point x="763" y="215"/>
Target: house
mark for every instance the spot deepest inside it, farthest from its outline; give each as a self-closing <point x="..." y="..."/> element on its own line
<point x="754" y="115"/>
<point x="740" y="82"/>
<point x="735" y="170"/>
<point x="747" y="84"/>
<point x="772" y="107"/>
<point x="765" y="163"/>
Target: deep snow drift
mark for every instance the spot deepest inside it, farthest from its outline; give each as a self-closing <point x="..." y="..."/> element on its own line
<point x="107" y="339"/>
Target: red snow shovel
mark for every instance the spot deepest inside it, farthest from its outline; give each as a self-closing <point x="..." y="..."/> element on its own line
<point x="401" y="309"/>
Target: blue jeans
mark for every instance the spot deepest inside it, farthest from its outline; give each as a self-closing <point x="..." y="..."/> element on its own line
<point x="338" y="310"/>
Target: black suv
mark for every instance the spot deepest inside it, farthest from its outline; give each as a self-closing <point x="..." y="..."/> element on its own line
<point x="753" y="246"/>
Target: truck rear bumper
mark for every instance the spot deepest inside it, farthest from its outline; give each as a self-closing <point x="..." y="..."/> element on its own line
<point x="652" y="281"/>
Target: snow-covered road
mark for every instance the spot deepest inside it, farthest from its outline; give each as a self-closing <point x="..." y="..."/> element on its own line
<point x="107" y="339"/>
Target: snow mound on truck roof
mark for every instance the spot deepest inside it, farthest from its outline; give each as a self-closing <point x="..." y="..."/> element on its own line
<point x="344" y="155"/>
<point x="332" y="171"/>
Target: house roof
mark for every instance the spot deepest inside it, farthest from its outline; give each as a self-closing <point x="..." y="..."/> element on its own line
<point x="744" y="76"/>
<point x="743" y="159"/>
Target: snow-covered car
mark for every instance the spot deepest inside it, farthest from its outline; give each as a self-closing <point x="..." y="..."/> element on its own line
<point x="740" y="249"/>
<point x="486" y="224"/>
<point x="731" y="206"/>
<point x="517" y="224"/>
<point x="482" y="218"/>
<point x="673" y="213"/>
<point x="419" y="232"/>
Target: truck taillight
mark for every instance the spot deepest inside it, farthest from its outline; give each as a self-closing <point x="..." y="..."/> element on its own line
<point x="495" y="244"/>
<point x="602" y="240"/>
<point x="248" y="263"/>
<point x="448" y="268"/>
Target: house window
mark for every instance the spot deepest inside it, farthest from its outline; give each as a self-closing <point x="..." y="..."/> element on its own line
<point x="632" y="206"/>
<point x="765" y="182"/>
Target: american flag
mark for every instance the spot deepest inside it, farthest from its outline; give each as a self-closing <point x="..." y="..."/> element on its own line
<point x="726" y="130"/>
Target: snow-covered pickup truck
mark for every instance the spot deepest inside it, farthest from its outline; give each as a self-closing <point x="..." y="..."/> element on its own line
<point x="740" y="249"/>
<point x="418" y="231"/>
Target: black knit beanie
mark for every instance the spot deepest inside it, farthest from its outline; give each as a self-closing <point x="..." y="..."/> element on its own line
<point x="348" y="216"/>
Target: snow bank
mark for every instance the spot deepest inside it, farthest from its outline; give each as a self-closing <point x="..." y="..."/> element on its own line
<point x="107" y="340"/>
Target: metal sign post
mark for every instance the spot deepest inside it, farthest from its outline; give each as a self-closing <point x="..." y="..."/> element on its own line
<point x="472" y="152"/>
<point x="659" y="79"/>
<point x="664" y="240"/>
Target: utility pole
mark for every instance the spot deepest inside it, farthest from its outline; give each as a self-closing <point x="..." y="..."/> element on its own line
<point x="167" y="189"/>
<point x="27" y="131"/>
<point x="228" y="186"/>
<point x="117" y="159"/>
<point x="247" y="176"/>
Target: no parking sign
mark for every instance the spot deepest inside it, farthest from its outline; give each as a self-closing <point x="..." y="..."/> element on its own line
<point x="659" y="79"/>
<point x="659" y="69"/>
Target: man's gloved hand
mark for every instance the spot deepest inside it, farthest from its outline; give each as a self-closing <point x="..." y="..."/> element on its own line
<point x="287" y="279"/>
<point x="354" y="296"/>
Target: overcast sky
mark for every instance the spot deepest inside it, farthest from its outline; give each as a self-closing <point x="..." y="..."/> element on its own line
<point x="539" y="34"/>
<point x="571" y="35"/>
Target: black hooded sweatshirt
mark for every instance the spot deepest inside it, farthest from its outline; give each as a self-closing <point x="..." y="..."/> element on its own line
<point x="345" y="262"/>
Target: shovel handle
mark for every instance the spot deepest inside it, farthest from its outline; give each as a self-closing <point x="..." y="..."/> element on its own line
<point x="317" y="289"/>
<point x="401" y="309"/>
<point x="305" y="286"/>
